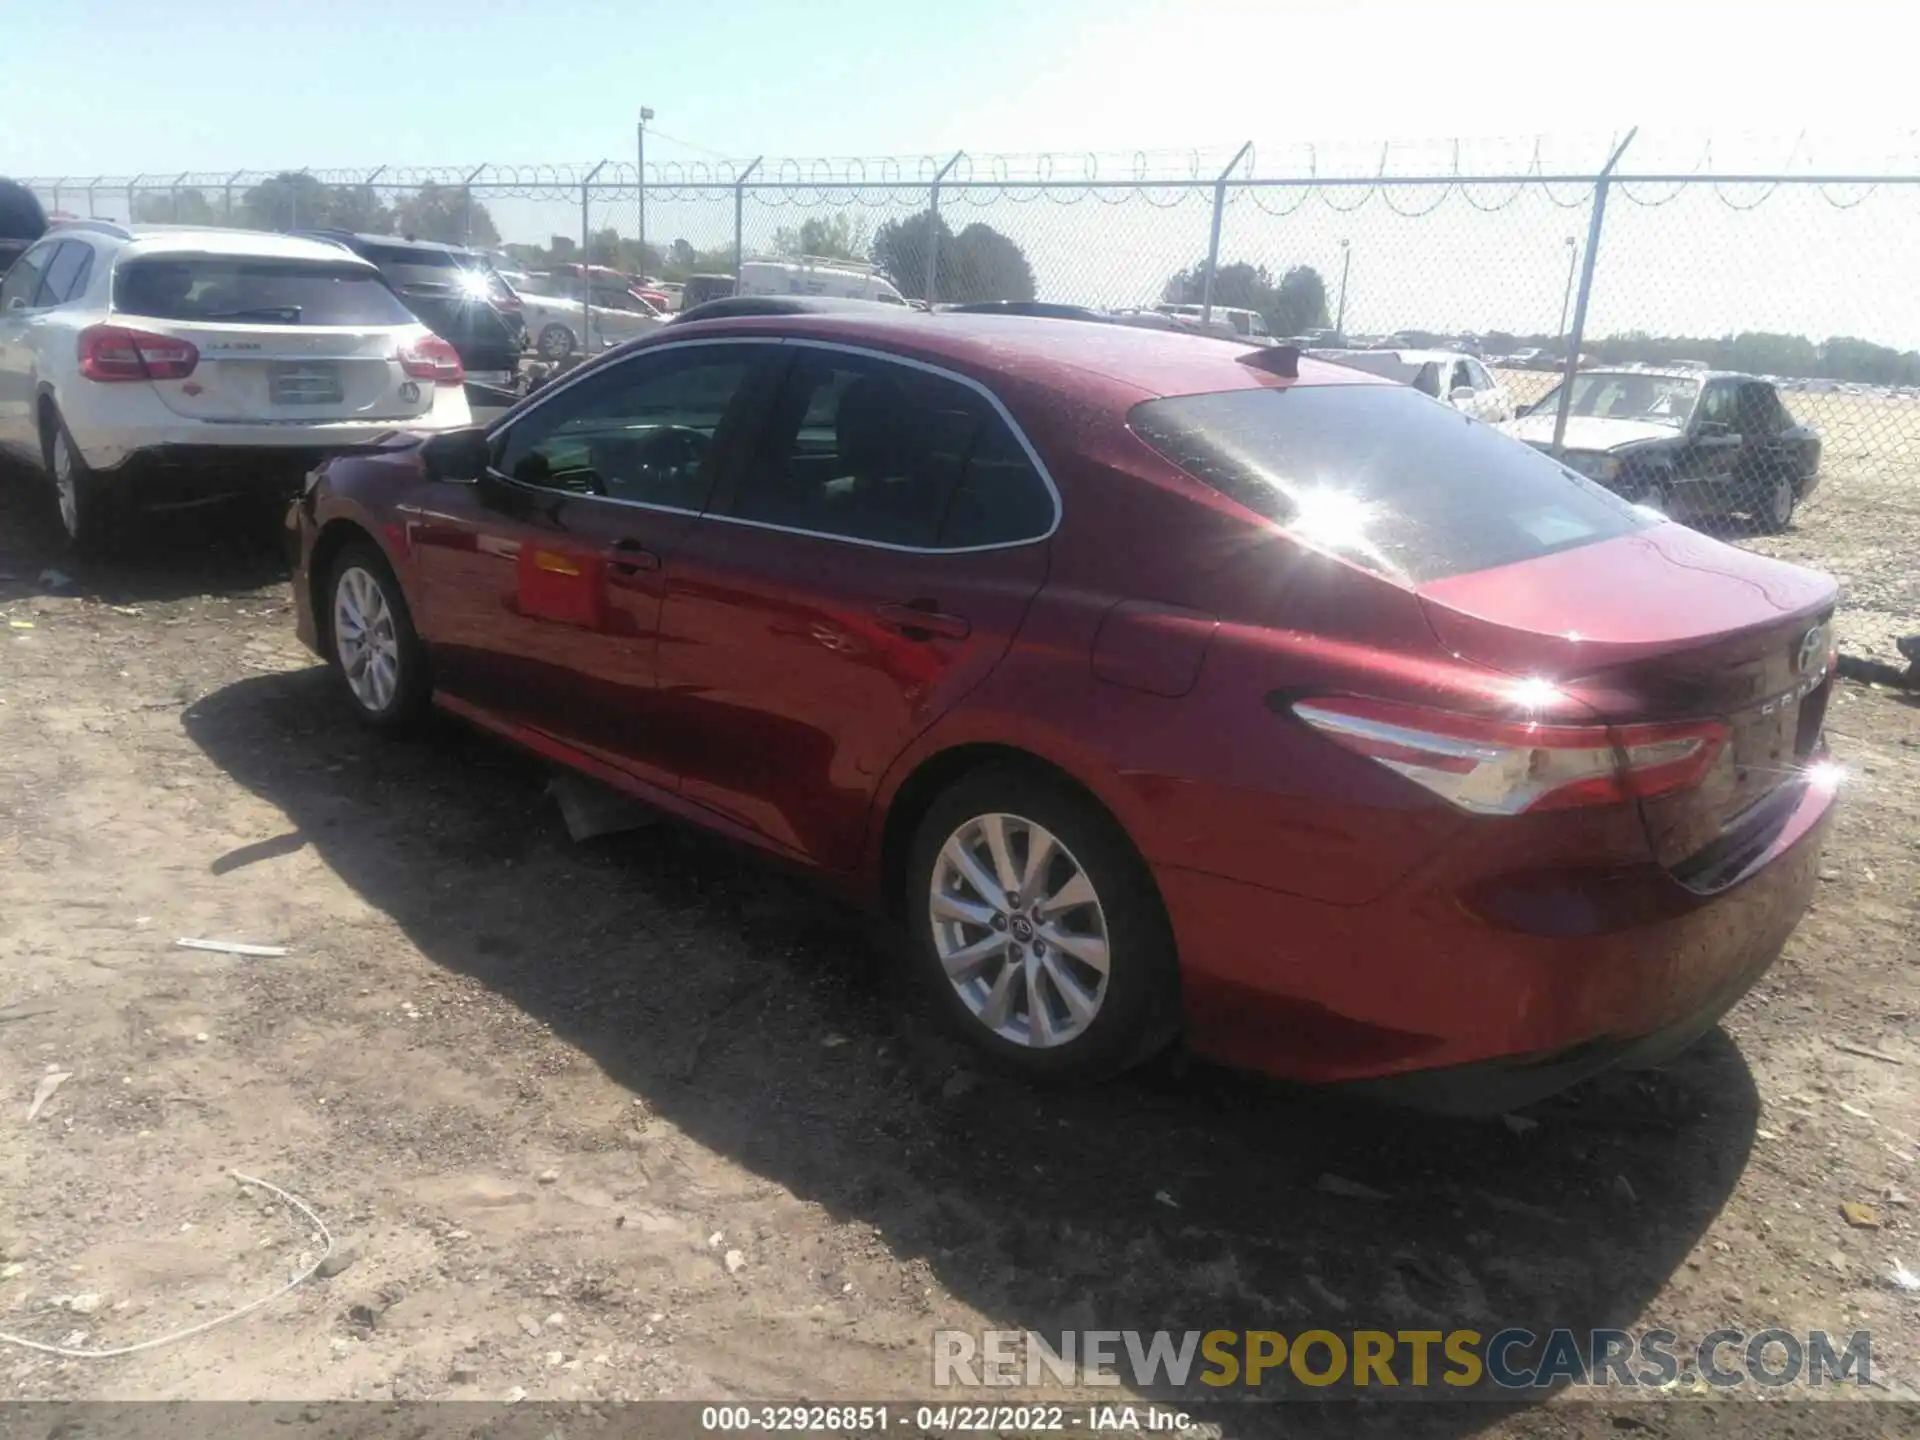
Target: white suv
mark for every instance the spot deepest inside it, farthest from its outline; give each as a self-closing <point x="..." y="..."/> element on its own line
<point x="154" y="366"/>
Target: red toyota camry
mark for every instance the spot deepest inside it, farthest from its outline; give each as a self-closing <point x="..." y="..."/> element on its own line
<point x="1156" y="684"/>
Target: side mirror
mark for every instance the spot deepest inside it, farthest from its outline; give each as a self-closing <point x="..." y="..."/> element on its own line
<point x="1461" y="394"/>
<point x="18" y="302"/>
<point x="458" y="456"/>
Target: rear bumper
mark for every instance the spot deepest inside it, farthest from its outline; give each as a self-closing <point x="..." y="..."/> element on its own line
<point x="1420" y="997"/>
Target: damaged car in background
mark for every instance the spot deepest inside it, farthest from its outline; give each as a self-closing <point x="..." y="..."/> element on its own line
<point x="1690" y="444"/>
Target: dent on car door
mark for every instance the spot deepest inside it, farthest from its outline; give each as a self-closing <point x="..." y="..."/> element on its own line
<point x="542" y="583"/>
<point x="869" y="569"/>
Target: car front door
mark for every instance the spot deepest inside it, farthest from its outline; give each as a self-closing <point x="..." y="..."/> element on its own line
<point x="1489" y="394"/>
<point x="1712" y="455"/>
<point x="18" y="299"/>
<point x="870" y="567"/>
<point x="541" y="584"/>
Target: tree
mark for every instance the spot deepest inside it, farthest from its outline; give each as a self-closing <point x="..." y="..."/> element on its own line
<point x="978" y="264"/>
<point x="1297" y="303"/>
<point x="985" y="265"/>
<point x="174" y="207"/>
<point x="447" y="213"/>
<point x="830" y="237"/>
<point x="290" y="201"/>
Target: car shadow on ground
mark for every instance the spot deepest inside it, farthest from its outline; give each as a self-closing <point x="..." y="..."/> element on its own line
<point x="221" y="548"/>
<point x="755" y="1014"/>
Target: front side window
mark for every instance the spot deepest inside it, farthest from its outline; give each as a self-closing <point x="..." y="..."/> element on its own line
<point x="1717" y="405"/>
<point x="864" y="449"/>
<point x="256" y="290"/>
<point x="23" y="280"/>
<point x="1379" y="476"/>
<point x="642" y="431"/>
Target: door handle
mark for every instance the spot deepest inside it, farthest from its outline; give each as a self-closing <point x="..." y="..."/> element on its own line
<point x="922" y="620"/>
<point x="629" y="556"/>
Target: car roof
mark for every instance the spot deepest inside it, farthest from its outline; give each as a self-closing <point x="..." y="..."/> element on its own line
<point x="213" y="240"/>
<point x="1146" y="362"/>
<point x="730" y="307"/>
<point x="398" y="242"/>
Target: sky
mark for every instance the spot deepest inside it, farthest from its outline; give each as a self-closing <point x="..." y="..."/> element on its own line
<point x="219" y="85"/>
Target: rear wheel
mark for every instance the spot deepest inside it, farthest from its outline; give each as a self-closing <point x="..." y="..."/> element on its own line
<point x="378" y="654"/>
<point x="1774" y="512"/>
<point x="84" y="501"/>
<point x="556" y="342"/>
<point x="1037" y="929"/>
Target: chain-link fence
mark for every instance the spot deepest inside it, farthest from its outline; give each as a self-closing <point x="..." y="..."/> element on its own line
<point x="1743" y="349"/>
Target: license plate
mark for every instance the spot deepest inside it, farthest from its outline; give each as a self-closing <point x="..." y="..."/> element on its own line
<point x="304" y="383"/>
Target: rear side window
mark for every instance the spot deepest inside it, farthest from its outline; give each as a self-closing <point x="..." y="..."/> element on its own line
<point x="66" y="275"/>
<point x="864" y="449"/>
<point x="242" y="290"/>
<point x="1383" y="477"/>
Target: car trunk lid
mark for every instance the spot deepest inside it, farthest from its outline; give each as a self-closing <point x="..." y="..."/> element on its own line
<point x="290" y="374"/>
<point x="1664" y="625"/>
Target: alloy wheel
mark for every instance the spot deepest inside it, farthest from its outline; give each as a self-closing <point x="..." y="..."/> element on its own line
<point x="66" y="484"/>
<point x="1019" y="930"/>
<point x="1780" y="502"/>
<point x="365" y="639"/>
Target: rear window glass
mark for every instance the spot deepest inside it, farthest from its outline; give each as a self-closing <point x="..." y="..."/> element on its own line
<point x="1384" y="477"/>
<point x="256" y="291"/>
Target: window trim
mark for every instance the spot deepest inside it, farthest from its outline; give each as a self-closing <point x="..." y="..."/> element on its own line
<point x="838" y="347"/>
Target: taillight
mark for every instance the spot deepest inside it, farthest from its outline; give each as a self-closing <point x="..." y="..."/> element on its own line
<point x="113" y="352"/>
<point x="431" y="358"/>
<point x="1505" y="767"/>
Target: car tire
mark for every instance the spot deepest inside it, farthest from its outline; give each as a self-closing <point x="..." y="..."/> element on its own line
<point x="1018" y="980"/>
<point x="1773" y="512"/>
<point x="556" y="342"/>
<point x="84" y="501"/>
<point x="371" y="642"/>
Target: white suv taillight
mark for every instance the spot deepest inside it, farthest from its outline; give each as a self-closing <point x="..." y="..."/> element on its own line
<point x="113" y="352"/>
<point x="431" y="358"/>
<point x="1505" y="767"/>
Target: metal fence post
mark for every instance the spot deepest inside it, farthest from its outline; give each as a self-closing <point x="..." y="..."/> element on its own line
<point x="93" y="214"/>
<point x="178" y="181"/>
<point x="56" y="193"/>
<point x="130" y="187"/>
<point x="467" y="187"/>
<point x="586" y="261"/>
<point x="226" y="203"/>
<point x="739" y="203"/>
<point x="933" y="227"/>
<point x="1600" y="184"/>
<point x="1213" y="241"/>
<point x="372" y="199"/>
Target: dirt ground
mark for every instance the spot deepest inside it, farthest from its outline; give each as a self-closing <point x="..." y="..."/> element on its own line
<point x="643" y="1117"/>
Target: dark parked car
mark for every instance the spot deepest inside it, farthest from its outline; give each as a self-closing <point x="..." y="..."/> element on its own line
<point x="456" y="293"/>
<point x="1689" y="443"/>
<point x="1150" y="686"/>
<point x="701" y="288"/>
<point x="22" y="221"/>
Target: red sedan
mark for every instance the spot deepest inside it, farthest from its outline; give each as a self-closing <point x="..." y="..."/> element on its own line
<point x="1153" y="687"/>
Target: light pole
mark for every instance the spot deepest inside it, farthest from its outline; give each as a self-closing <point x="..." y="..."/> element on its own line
<point x="640" y="182"/>
<point x="1340" y="318"/>
<point x="1573" y="256"/>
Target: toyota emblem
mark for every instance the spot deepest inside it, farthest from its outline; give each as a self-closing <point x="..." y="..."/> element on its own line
<point x="1813" y="651"/>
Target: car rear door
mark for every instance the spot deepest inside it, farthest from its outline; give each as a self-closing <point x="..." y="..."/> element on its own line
<point x="869" y="568"/>
<point x="278" y="340"/>
<point x="541" y="585"/>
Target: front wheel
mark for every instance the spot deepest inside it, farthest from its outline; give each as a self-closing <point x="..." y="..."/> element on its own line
<point x="556" y="342"/>
<point x="1038" y="929"/>
<point x="376" y="651"/>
